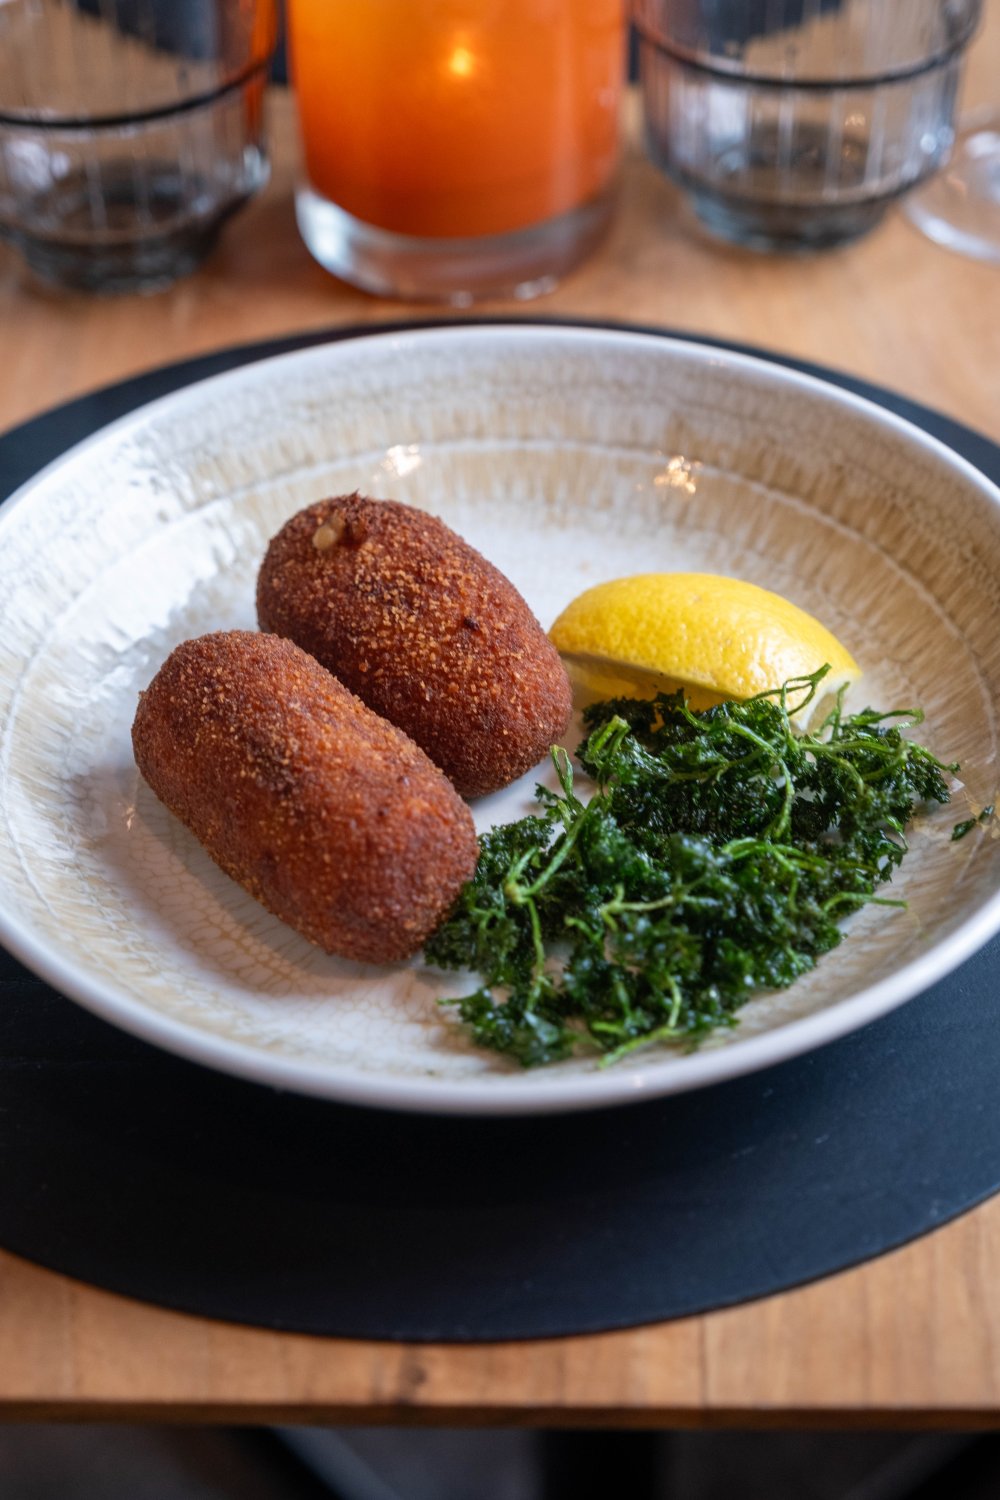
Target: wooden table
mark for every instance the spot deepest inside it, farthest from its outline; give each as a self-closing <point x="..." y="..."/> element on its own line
<point x="912" y="1338"/>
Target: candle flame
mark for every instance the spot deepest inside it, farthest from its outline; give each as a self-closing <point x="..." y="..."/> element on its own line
<point x="461" y="62"/>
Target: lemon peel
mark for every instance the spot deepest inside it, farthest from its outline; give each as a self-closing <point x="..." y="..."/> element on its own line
<point x="714" y="637"/>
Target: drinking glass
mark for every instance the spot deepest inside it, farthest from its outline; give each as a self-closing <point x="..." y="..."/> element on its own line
<point x="793" y="124"/>
<point x="960" y="207"/>
<point x="129" y="131"/>
<point x="456" y="148"/>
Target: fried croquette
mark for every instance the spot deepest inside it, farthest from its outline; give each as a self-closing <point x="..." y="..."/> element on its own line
<point x="330" y="816"/>
<point x="424" y="630"/>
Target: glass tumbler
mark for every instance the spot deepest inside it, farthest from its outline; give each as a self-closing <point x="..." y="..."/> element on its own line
<point x="456" y="148"/>
<point x="129" y="131"/>
<point x="792" y="124"/>
<point x="960" y="207"/>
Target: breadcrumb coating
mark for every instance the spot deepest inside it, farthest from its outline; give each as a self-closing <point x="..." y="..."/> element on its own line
<point x="330" y="816"/>
<point x="425" y="630"/>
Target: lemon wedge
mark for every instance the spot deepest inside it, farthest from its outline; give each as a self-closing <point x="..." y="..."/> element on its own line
<point x="716" y="638"/>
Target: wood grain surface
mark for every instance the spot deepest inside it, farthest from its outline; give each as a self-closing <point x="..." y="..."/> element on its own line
<point x="912" y="1338"/>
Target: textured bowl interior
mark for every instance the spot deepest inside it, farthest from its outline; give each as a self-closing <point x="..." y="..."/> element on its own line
<point x="567" y="457"/>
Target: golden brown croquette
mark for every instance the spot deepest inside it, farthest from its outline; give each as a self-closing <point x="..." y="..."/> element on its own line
<point x="330" y="816"/>
<point x="424" y="630"/>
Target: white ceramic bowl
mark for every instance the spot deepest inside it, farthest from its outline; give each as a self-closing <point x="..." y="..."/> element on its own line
<point x="567" y="456"/>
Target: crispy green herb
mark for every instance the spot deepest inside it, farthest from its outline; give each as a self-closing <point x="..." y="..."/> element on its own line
<point x="715" y="858"/>
<point x="968" y="824"/>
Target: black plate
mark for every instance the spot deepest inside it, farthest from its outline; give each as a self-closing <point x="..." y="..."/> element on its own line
<point x="156" y="1178"/>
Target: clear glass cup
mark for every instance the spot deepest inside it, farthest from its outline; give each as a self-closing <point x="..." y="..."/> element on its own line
<point x="129" y="131"/>
<point x="455" y="149"/>
<point x="960" y="208"/>
<point x="793" y="124"/>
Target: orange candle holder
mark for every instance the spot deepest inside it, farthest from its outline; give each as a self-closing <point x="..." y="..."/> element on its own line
<point x="455" y="149"/>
